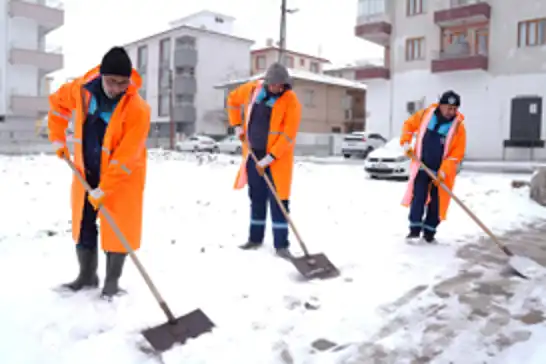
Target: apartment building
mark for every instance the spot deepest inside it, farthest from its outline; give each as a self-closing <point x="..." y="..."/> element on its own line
<point x="329" y="104"/>
<point x="25" y="62"/>
<point x="180" y="67"/>
<point x="262" y="58"/>
<point x="492" y="52"/>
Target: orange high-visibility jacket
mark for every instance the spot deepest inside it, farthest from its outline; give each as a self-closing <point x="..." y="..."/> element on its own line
<point x="123" y="165"/>
<point x="454" y="152"/>
<point x="283" y="129"/>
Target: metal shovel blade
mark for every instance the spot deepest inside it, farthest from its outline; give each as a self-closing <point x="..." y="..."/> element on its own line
<point x="526" y="267"/>
<point x="189" y="326"/>
<point x="315" y="266"/>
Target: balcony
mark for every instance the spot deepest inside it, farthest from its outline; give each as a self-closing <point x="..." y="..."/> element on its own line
<point x="184" y="113"/>
<point x="45" y="61"/>
<point x="375" y="28"/>
<point x="463" y="12"/>
<point x="185" y="85"/>
<point x="462" y="60"/>
<point x="31" y="106"/>
<point x="372" y="72"/>
<point x="185" y="57"/>
<point x="48" y="14"/>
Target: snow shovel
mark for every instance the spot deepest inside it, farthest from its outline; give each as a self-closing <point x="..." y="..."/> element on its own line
<point x="523" y="266"/>
<point x="175" y="330"/>
<point x="310" y="265"/>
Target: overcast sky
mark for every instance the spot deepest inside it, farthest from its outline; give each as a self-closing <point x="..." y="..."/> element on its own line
<point x="92" y="27"/>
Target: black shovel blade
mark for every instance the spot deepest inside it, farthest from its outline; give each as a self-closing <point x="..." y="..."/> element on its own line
<point x="189" y="326"/>
<point x="315" y="266"/>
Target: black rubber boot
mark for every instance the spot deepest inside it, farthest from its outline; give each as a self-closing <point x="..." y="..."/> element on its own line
<point x="114" y="268"/>
<point x="429" y="237"/>
<point x="250" y="246"/>
<point x="284" y="253"/>
<point x="87" y="278"/>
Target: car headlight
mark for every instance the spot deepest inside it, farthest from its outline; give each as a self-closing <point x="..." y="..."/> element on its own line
<point x="402" y="159"/>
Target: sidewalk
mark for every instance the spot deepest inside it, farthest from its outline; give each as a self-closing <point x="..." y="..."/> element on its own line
<point x="473" y="317"/>
<point x="468" y="165"/>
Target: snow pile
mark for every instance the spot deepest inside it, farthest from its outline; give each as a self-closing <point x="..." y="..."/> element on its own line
<point x="194" y="221"/>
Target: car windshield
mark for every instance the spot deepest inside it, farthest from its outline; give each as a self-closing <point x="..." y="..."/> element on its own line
<point x="393" y="144"/>
<point x="354" y="136"/>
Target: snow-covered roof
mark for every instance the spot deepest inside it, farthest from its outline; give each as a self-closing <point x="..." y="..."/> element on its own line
<point x="304" y="76"/>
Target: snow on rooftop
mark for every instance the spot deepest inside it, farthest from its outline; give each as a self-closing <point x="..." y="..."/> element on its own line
<point x="304" y="76"/>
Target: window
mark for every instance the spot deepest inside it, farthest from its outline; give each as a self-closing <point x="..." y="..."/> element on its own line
<point x="414" y="7"/>
<point x="532" y="33"/>
<point x="482" y="41"/>
<point x="164" y="78"/>
<point x="142" y="58"/>
<point x="289" y="61"/>
<point x="347" y="102"/>
<point x="302" y="62"/>
<point x="219" y="20"/>
<point x="309" y="98"/>
<point x="165" y="52"/>
<point x="415" y="49"/>
<point x="163" y="105"/>
<point x="371" y="7"/>
<point x="314" y="67"/>
<point x="260" y="63"/>
<point x="144" y="81"/>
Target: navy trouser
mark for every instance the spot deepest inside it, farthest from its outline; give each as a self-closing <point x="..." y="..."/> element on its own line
<point x="422" y="185"/>
<point x="89" y="233"/>
<point x="259" y="194"/>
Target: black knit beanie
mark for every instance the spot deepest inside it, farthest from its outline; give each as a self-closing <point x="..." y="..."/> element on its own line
<point x="450" y="98"/>
<point x="116" y="62"/>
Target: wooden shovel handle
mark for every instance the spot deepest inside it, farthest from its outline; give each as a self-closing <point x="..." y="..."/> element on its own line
<point x="278" y="199"/>
<point x="473" y="216"/>
<point x="126" y="245"/>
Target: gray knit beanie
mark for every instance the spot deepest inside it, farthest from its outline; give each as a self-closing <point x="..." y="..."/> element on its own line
<point x="277" y="74"/>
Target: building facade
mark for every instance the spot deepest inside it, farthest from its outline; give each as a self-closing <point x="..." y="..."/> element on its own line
<point x="180" y="67"/>
<point x="262" y="58"/>
<point x="492" y="52"/>
<point x="25" y="62"/>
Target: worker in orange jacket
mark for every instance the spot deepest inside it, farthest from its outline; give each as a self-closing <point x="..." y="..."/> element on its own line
<point x="440" y="145"/>
<point x="111" y="124"/>
<point x="272" y="115"/>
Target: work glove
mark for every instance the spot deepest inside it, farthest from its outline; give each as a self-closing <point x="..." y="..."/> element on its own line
<point x="264" y="163"/>
<point x="440" y="178"/>
<point x="240" y="133"/>
<point x="61" y="150"/>
<point x="95" y="198"/>
<point x="408" y="150"/>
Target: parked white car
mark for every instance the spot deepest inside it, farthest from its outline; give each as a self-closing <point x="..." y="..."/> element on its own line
<point x="230" y="144"/>
<point x="197" y="143"/>
<point x="389" y="161"/>
<point x="361" y="143"/>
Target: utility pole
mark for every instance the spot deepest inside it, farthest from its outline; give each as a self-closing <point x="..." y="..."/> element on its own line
<point x="282" y="39"/>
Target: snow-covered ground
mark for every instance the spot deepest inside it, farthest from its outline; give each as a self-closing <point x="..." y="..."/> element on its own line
<point x="264" y="312"/>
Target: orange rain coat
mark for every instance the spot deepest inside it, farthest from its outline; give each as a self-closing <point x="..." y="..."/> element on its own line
<point x="454" y="152"/>
<point x="283" y="129"/>
<point x="123" y="165"/>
